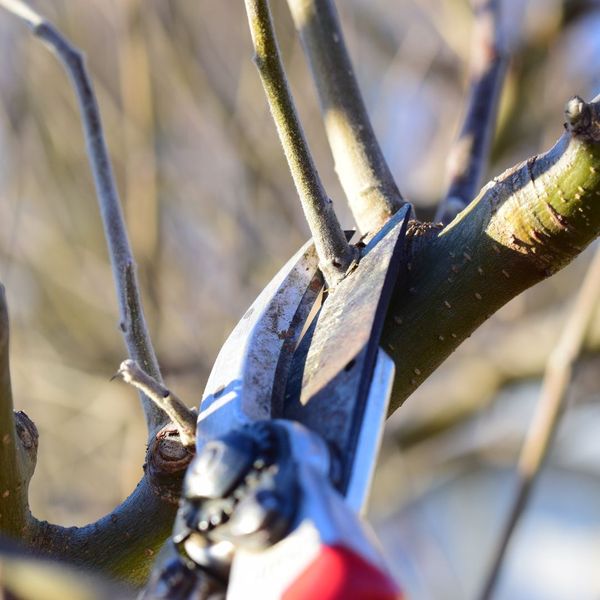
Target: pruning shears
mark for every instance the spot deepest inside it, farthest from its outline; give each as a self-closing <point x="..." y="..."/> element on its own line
<point x="288" y="432"/>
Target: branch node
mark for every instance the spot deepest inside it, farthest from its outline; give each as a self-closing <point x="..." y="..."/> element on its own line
<point x="183" y="417"/>
<point x="583" y="119"/>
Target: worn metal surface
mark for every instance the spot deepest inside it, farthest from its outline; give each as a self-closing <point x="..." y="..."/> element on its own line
<point x="371" y="434"/>
<point x="329" y="385"/>
<point x="323" y="519"/>
<point x="240" y="387"/>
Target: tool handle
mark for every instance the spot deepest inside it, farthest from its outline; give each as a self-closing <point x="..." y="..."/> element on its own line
<point x="338" y="573"/>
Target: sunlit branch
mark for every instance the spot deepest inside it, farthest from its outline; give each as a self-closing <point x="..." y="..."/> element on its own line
<point x="183" y="417"/>
<point x="359" y="162"/>
<point x="335" y="254"/>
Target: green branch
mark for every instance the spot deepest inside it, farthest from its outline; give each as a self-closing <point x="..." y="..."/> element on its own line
<point x="18" y="444"/>
<point x="336" y="256"/>
<point x="524" y="226"/>
<point x="359" y="162"/>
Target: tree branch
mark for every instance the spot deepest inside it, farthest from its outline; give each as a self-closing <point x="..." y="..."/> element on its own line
<point x="180" y="415"/>
<point x="359" y="162"/>
<point x="29" y="577"/>
<point x="18" y="444"/>
<point x="550" y="404"/>
<point x="469" y="154"/>
<point x="525" y="225"/>
<point x="124" y="543"/>
<point x="133" y="323"/>
<point x="335" y="254"/>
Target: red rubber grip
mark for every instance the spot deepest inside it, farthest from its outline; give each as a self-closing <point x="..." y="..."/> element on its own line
<point x="337" y="573"/>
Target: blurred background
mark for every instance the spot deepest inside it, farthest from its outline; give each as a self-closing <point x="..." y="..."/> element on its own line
<point x="212" y="214"/>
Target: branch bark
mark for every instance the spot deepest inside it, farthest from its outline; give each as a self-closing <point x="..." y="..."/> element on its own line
<point x="122" y="544"/>
<point x="524" y="225"/>
<point x="336" y="256"/>
<point x="469" y="155"/>
<point x="18" y="444"/>
<point x="359" y="162"/>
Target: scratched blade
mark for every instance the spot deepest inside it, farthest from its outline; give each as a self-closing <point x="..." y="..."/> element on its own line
<point x="240" y="386"/>
<point x="330" y="379"/>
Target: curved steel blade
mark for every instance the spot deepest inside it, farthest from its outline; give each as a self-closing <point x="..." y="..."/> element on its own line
<point x="259" y="349"/>
<point x="332" y="373"/>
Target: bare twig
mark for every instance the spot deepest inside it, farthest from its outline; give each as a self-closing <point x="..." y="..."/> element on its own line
<point x="335" y="254"/>
<point x="364" y="174"/>
<point x="549" y="408"/>
<point x="133" y="323"/>
<point x="469" y="155"/>
<point x="183" y="417"/>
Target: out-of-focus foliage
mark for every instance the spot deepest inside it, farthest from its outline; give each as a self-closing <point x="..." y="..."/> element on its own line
<point x="212" y="212"/>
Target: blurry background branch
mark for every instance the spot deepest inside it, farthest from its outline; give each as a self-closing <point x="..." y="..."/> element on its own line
<point x="551" y="403"/>
<point x="468" y="157"/>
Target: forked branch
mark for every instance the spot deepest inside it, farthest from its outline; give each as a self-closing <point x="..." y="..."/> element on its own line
<point x="359" y="162"/>
<point x="335" y="254"/>
<point x="133" y="325"/>
<point x="469" y="154"/>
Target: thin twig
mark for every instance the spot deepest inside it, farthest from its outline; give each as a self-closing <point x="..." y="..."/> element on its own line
<point x="183" y="417"/>
<point x="549" y="409"/>
<point x="359" y="162"/>
<point x="335" y="254"/>
<point x="133" y="323"/>
<point x="469" y="154"/>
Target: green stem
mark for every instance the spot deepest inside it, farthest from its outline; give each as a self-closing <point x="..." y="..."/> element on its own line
<point x="14" y="472"/>
<point x="335" y="254"/>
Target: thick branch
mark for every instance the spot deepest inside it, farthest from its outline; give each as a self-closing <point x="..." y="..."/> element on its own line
<point x="359" y="161"/>
<point x="549" y="408"/>
<point x="469" y="155"/>
<point x="16" y="460"/>
<point x="133" y="323"/>
<point x="335" y="254"/>
<point x="523" y="226"/>
<point x="30" y="577"/>
<point x="124" y="543"/>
